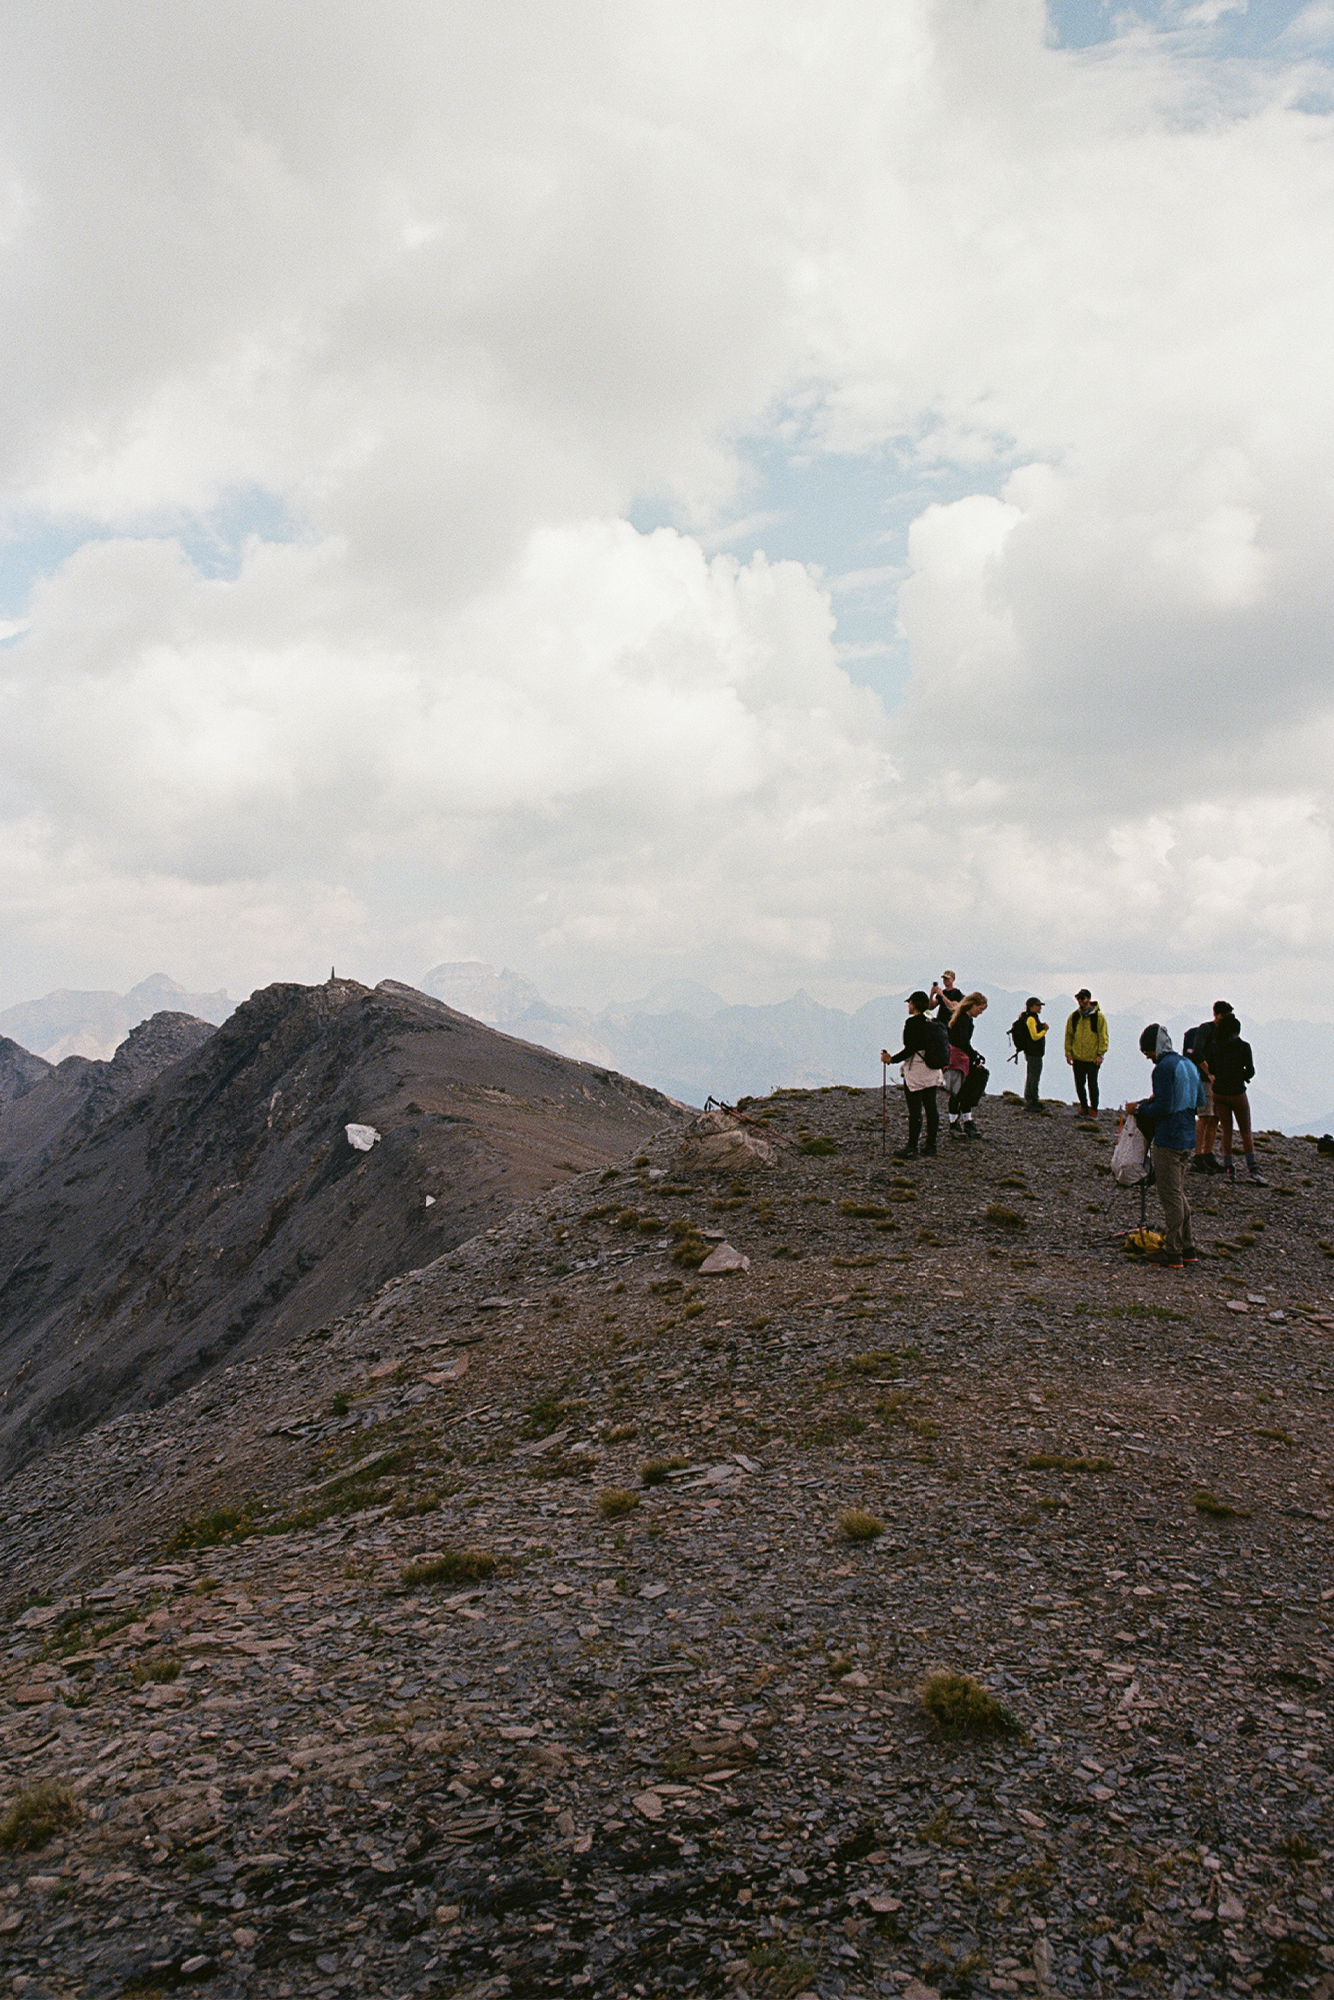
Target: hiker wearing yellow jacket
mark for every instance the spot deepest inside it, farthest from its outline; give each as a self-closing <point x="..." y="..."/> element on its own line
<point x="1085" y="1047"/>
<point x="1031" y="1039"/>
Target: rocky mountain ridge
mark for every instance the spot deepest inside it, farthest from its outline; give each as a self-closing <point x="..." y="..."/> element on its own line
<point x="219" y="1206"/>
<point x="566" y="1621"/>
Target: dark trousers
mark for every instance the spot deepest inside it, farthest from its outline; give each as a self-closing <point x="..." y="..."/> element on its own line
<point x="916" y="1100"/>
<point x="1034" y="1065"/>
<point x="1086" y="1084"/>
<point x="974" y="1088"/>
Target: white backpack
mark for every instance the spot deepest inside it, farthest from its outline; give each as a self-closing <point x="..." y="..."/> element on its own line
<point x="1130" y="1155"/>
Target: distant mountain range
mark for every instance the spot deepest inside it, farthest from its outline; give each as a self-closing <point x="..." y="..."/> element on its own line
<point x="686" y="1040"/>
<point x="70" y="1023"/>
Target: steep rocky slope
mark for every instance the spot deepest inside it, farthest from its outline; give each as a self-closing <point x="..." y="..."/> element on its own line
<point x="508" y="1637"/>
<point x="64" y="1103"/>
<point x="19" y="1071"/>
<point x="222" y="1206"/>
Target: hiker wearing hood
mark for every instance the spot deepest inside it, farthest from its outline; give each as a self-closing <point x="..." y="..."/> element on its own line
<point x="1178" y="1094"/>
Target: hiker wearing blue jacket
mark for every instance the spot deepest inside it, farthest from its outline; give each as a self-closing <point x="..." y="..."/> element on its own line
<point x="1178" y="1093"/>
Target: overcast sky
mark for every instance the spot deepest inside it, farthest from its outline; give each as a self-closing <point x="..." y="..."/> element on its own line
<point x="787" y="494"/>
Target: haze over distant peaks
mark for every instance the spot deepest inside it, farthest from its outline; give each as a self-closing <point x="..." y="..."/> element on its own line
<point x="94" y="1024"/>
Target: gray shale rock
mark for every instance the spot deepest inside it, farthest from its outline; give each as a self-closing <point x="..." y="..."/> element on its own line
<point x="679" y="1747"/>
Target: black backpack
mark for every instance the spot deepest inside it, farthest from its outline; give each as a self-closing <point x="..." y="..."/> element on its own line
<point x="1020" y="1036"/>
<point x="936" y="1054"/>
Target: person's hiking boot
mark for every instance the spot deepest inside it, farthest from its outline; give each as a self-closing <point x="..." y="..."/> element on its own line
<point x="1256" y="1179"/>
<point x="929" y="1150"/>
<point x="906" y="1153"/>
<point x="1189" y="1257"/>
<point x="1228" y="1171"/>
<point x="1200" y="1164"/>
<point x="1164" y="1262"/>
<point x="956" y="1130"/>
<point x="970" y="1130"/>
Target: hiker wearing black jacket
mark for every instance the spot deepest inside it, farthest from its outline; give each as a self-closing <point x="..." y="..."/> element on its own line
<point x="921" y="1079"/>
<point x="1196" y="1043"/>
<point x="1232" y="1066"/>
<point x="969" y="1080"/>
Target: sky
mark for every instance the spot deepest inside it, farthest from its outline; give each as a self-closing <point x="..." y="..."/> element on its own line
<point x="789" y="496"/>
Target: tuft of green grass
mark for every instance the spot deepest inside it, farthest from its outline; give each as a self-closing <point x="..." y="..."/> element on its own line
<point x="871" y="1360"/>
<point x="871" y="1211"/>
<point x="1294" y="1848"/>
<point x="455" y="1566"/>
<point x="777" y="1973"/>
<point x="859" y="1526"/>
<point x="614" y="1501"/>
<point x="341" y="1404"/>
<point x="543" y="1416"/>
<point x="1219" y="1510"/>
<point x="817" y="1146"/>
<point x="655" y="1470"/>
<point x="961" y="1706"/>
<point x="1056" y="1461"/>
<point x="37" y="1815"/>
<point x="1003" y="1217"/>
<point x="221" y="1524"/>
<point x="161" y="1671"/>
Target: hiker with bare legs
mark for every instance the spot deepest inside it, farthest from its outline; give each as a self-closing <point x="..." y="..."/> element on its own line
<point x="1170" y="1115"/>
<point x="924" y="1055"/>
<point x="1197" y="1043"/>
<point x="1232" y="1065"/>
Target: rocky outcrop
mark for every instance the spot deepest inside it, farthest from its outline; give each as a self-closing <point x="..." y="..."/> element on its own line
<point x="65" y="1103"/>
<point x="19" y="1070"/>
<point x="219" y="1207"/>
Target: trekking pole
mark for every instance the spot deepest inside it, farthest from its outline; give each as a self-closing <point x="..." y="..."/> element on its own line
<point x="884" y="1107"/>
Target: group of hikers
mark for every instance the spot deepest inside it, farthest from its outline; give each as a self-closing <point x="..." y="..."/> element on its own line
<point x="1194" y="1091"/>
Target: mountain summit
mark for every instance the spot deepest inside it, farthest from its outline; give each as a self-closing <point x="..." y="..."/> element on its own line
<point x="223" y="1207"/>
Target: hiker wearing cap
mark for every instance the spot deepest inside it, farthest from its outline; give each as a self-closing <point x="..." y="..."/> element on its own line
<point x="945" y="996"/>
<point x="1031" y="1038"/>
<point x="1178" y="1094"/>
<point x="923" y="1055"/>
<point x="1085" y="1047"/>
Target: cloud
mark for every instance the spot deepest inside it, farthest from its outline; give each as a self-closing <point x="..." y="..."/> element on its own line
<point x="455" y="292"/>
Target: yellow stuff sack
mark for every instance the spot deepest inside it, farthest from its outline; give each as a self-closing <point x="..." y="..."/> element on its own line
<point x="1144" y="1242"/>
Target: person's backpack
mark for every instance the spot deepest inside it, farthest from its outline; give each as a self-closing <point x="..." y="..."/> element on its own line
<point x="936" y="1054"/>
<point x="1020" y="1036"/>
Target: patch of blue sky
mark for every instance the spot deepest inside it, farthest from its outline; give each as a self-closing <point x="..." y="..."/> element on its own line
<point x="847" y="516"/>
<point x="1235" y="28"/>
<point x="36" y="547"/>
